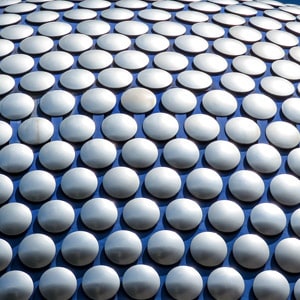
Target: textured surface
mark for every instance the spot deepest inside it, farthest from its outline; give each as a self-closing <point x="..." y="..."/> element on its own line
<point x="141" y="141"/>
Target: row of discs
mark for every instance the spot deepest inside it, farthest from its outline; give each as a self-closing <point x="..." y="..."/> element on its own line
<point x="149" y="149"/>
<point x="163" y="183"/>
<point x="134" y="60"/>
<point x="152" y="78"/>
<point x="121" y="127"/>
<point x="99" y="214"/>
<point x="143" y="282"/>
<point x="165" y="248"/>
<point x="142" y="153"/>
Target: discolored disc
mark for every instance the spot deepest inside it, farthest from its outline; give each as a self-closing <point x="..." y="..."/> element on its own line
<point x="138" y="100"/>
<point x="35" y="131"/>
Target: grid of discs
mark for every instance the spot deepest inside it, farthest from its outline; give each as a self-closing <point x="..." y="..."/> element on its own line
<point x="149" y="149"/>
